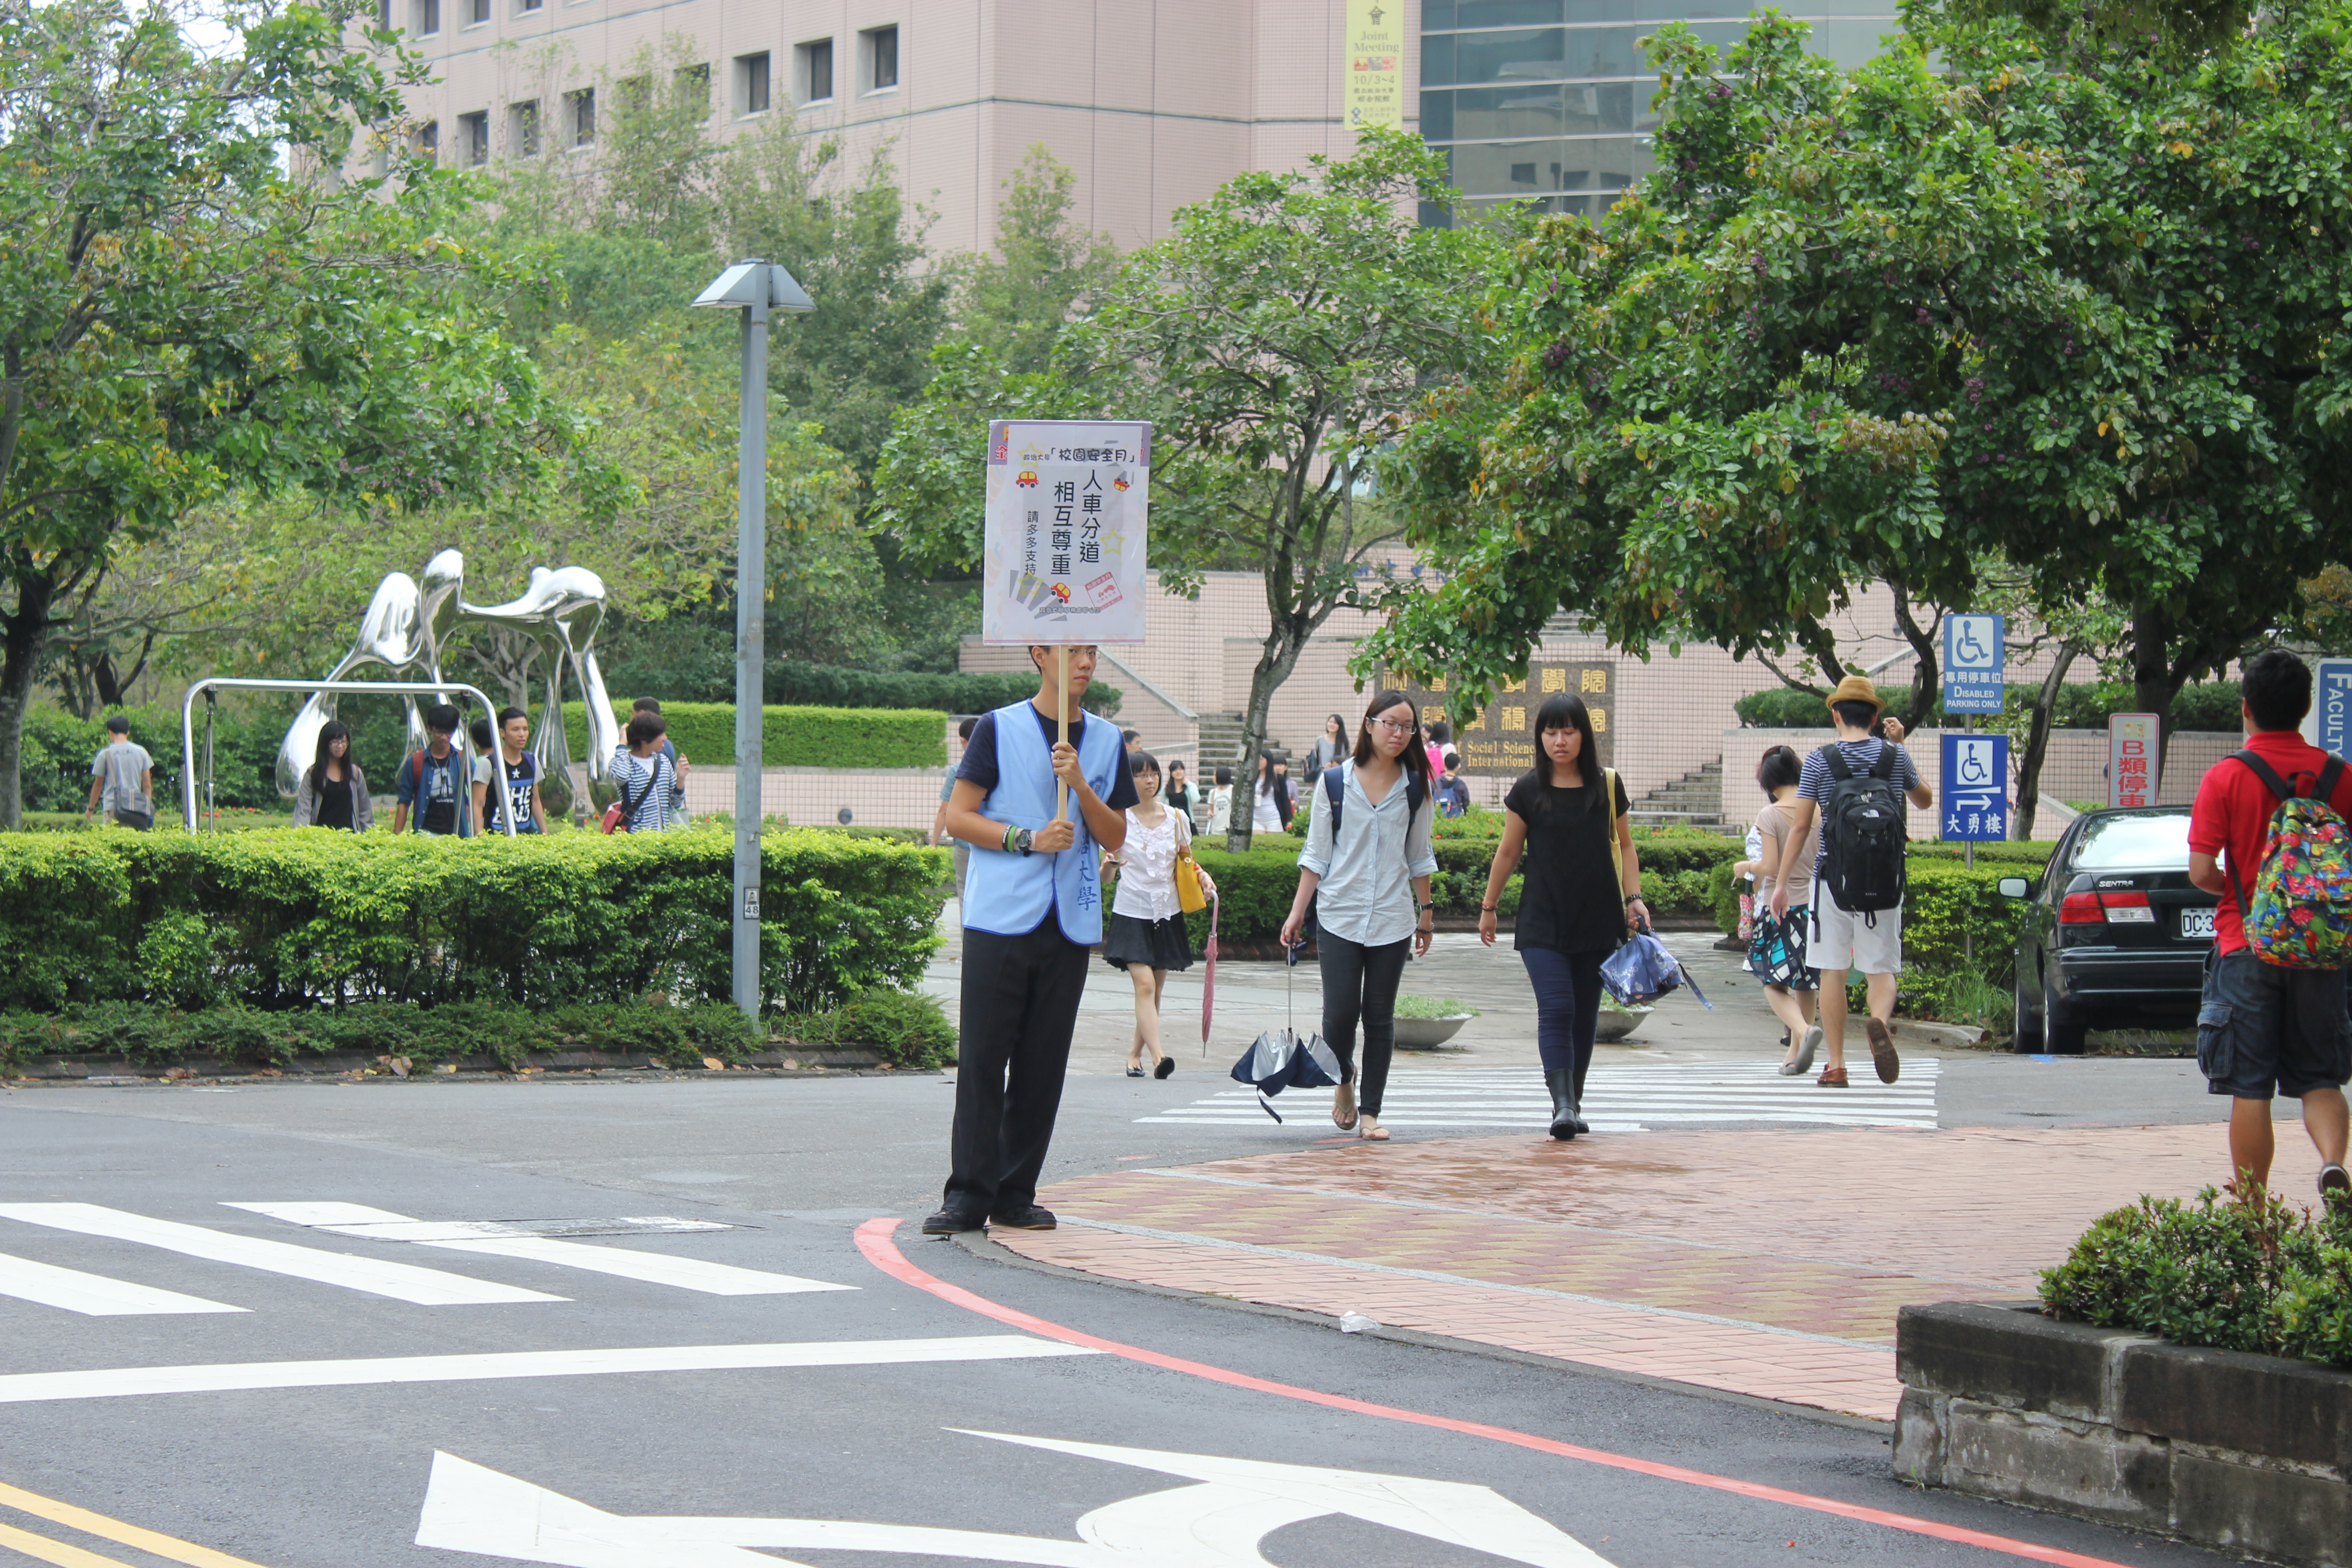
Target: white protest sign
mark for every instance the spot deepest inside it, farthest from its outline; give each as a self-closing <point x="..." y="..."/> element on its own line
<point x="1068" y="516"/>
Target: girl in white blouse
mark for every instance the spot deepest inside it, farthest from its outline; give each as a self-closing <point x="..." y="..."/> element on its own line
<point x="1146" y="936"/>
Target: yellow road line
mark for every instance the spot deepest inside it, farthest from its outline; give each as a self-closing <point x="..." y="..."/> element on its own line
<point x="166" y="1546"/>
<point x="41" y="1548"/>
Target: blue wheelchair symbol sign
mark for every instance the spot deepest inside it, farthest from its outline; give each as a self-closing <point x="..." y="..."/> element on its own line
<point x="1973" y="663"/>
<point x="1974" y="800"/>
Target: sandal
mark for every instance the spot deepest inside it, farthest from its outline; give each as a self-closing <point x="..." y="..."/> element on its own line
<point x="1374" y="1130"/>
<point x="1343" y="1108"/>
<point x="1833" y="1077"/>
<point x="1135" y="1072"/>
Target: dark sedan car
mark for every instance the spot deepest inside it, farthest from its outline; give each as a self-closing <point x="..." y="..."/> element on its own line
<point x="2114" y="935"/>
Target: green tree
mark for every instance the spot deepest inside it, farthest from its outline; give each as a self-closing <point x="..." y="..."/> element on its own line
<point x="2085" y="316"/>
<point x="1046" y="268"/>
<point x="181" y="316"/>
<point x="1290" y="327"/>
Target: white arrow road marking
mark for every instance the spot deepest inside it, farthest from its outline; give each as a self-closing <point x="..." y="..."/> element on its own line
<point x="1217" y="1523"/>
<point x="93" y="1295"/>
<point x="505" y="1241"/>
<point x="401" y="1281"/>
<point x="28" y="1388"/>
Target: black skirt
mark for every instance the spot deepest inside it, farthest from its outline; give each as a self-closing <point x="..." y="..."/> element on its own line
<point x="1155" y="944"/>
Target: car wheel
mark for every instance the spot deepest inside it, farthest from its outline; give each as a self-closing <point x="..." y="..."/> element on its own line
<point x="2026" y="1032"/>
<point x="2062" y="1032"/>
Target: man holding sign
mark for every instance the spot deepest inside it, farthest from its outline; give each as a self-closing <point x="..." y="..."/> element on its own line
<point x="1042" y="791"/>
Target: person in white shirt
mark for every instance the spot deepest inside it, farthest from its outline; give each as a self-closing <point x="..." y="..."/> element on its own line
<point x="1147" y="936"/>
<point x="1368" y="874"/>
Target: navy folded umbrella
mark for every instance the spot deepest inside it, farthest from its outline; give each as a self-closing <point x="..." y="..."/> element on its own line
<point x="1646" y="969"/>
<point x="1280" y="1058"/>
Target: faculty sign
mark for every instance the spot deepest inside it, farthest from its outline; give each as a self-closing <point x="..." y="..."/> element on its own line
<point x="1501" y="743"/>
<point x="1069" y="502"/>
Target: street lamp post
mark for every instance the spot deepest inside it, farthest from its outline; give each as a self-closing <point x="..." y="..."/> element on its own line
<point x="755" y="288"/>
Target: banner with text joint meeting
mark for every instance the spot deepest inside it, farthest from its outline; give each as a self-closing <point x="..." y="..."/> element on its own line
<point x="1068" y="515"/>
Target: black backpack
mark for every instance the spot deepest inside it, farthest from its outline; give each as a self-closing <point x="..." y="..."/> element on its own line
<point x="1862" y="834"/>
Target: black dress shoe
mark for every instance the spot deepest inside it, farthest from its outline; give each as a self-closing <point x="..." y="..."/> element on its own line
<point x="949" y="1221"/>
<point x="1030" y="1218"/>
<point x="1166" y="1064"/>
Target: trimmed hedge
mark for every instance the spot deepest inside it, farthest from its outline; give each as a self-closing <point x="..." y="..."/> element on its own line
<point x="704" y="732"/>
<point x="286" y="918"/>
<point x="2209" y="705"/>
<point x="835" y="686"/>
<point x="2248" y="1273"/>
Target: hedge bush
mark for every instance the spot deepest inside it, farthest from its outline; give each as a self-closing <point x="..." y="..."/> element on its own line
<point x="2210" y="705"/>
<point x="285" y="917"/>
<point x="833" y="686"/>
<point x="2243" y="1274"/>
<point x="704" y="732"/>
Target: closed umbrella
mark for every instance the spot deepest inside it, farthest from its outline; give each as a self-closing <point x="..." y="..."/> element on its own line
<point x="1280" y="1058"/>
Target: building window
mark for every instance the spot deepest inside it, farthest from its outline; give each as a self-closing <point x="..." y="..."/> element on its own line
<point x="383" y="14"/>
<point x="751" y="83"/>
<point x="877" y="59"/>
<point x="478" y="13"/>
<point x="583" y="107"/>
<point x="474" y="139"/>
<point x="428" y="17"/>
<point x="428" y="141"/>
<point x="812" y="71"/>
<point x="522" y="128"/>
<point x="527" y="5"/>
<point x="694" y="87"/>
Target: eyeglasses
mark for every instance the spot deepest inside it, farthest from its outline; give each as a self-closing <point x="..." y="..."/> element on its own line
<point x="1392" y="727"/>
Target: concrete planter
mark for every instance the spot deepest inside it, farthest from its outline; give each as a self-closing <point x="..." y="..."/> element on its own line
<point x="1615" y="1026"/>
<point x="1428" y="1033"/>
<point x="2247" y="1454"/>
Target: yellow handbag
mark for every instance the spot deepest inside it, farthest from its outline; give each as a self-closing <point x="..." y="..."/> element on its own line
<point x="1189" y="897"/>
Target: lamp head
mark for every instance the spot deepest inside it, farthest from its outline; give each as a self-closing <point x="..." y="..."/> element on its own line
<point x="743" y="284"/>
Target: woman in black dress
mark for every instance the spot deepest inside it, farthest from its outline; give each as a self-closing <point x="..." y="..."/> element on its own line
<point x="333" y="793"/>
<point x="1582" y="891"/>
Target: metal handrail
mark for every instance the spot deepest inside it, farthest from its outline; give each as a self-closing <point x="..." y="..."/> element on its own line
<point x="398" y="688"/>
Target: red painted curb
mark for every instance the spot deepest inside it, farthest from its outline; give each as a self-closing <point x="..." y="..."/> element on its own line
<point x="875" y="1240"/>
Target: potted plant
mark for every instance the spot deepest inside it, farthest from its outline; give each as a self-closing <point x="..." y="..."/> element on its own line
<point x="1617" y="1021"/>
<point x="1426" y="1023"/>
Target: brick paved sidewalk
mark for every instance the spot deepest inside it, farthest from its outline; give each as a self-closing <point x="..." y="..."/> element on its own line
<point x="1769" y="1265"/>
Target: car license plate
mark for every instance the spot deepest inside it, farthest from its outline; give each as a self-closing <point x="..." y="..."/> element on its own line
<point x="2196" y="922"/>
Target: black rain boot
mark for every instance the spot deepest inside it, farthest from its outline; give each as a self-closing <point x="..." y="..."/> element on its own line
<point x="1576" y="1102"/>
<point x="1562" y="1084"/>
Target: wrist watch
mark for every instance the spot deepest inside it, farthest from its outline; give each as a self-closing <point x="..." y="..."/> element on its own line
<point x="1023" y="841"/>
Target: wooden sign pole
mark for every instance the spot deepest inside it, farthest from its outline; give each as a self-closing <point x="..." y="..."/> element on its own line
<point x="1062" y="714"/>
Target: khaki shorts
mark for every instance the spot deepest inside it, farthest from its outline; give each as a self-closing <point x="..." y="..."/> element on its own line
<point x="1872" y="943"/>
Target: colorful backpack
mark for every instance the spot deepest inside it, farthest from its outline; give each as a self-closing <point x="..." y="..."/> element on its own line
<point x="2301" y="916"/>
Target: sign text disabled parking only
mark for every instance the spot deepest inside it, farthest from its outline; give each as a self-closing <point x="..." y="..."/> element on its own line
<point x="1973" y="663"/>
<point x="1975" y="794"/>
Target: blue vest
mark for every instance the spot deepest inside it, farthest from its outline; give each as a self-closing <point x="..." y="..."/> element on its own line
<point x="1012" y="894"/>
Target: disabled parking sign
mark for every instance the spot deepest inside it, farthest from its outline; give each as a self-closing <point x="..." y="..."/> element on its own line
<point x="1975" y="804"/>
<point x="1974" y="663"/>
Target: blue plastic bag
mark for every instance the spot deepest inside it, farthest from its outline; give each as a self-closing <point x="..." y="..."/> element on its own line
<point x="1646" y="969"/>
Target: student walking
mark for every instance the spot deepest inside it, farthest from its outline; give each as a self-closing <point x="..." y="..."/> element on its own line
<point x="1581" y="891"/>
<point x="1776" y="949"/>
<point x="1332" y="750"/>
<point x="1366" y="868"/>
<point x="1148" y="936"/>
<point x="679" y="766"/>
<point x="432" y="783"/>
<point x="122" y="779"/>
<point x="1221" y="803"/>
<point x="333" y="792"/>
<point x="1178" y="793"/>
<point x="510" y="769"/>
<point x="2265" y="1027"/>
<point x="1031" y="907"/>
<point x="646" y="776"/>
<point x="1270" y="802"/>
<point x="1855" y="788"/>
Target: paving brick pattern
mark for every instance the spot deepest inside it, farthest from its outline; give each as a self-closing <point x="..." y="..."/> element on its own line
<point x="1771" y="1266"/>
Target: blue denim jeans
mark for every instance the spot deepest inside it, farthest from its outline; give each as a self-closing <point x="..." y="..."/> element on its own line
<point x="1568" y="1005"/>
<point x="2261" y="1026"/>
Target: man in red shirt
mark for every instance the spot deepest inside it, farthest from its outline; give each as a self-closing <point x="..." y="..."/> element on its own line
<point x="2261" y="1028"/>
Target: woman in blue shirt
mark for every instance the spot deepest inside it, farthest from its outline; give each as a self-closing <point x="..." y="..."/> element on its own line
<point x="1368" y="874"/>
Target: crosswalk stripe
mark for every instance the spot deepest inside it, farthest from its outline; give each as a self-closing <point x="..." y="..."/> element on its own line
<point x="114" y="1383"/>
<point x="501" y="1241"/>
<point x="93" y="1295"/>
<point x="154" y="1543"/>
<point x="401" y="1281"/>
<point x="1617" y="1097"/>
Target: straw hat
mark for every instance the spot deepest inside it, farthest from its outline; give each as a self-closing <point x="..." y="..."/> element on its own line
<point x="1856" y="689"/>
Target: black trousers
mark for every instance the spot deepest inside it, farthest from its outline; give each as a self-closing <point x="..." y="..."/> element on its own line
<point x="1360" y="982"/>
<point x="1020" y="1007"/>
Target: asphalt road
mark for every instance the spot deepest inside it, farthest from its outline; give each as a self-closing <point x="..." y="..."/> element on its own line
<point x="316" y="1397"/>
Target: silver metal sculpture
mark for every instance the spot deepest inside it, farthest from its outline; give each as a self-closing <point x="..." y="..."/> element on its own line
<point x="408" y="626"/>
